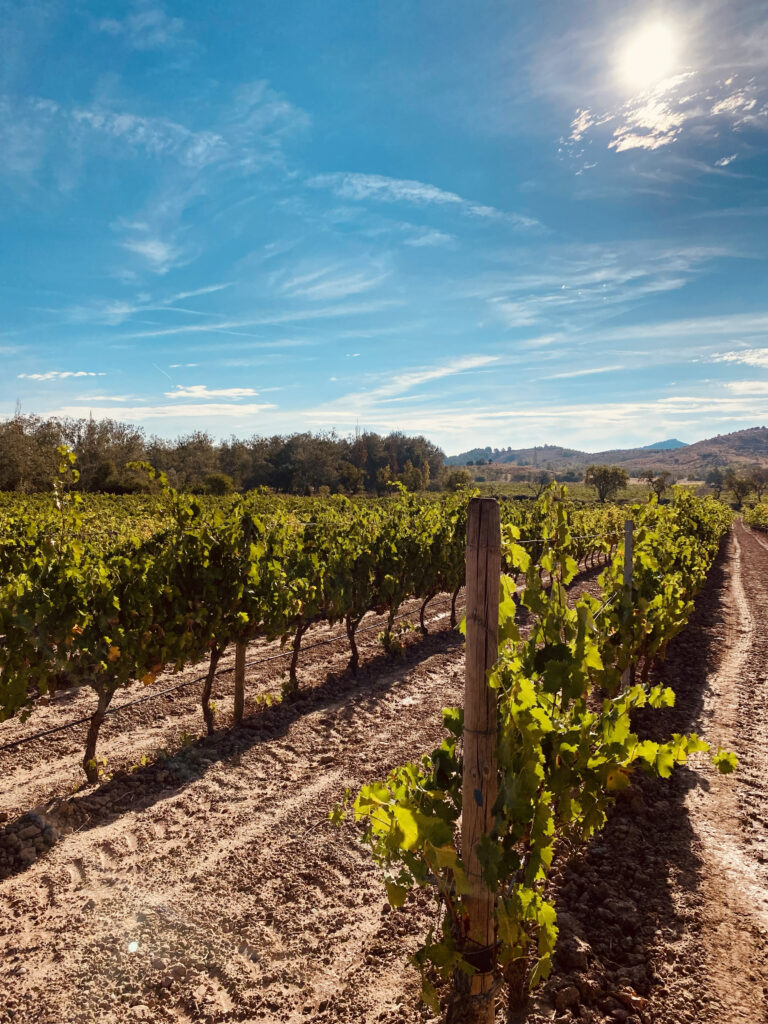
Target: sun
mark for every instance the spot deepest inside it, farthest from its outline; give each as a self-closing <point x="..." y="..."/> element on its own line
<point x="648" y="55"/>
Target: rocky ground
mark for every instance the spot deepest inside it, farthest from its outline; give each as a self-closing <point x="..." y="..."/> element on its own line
<point x="200" y="881"/>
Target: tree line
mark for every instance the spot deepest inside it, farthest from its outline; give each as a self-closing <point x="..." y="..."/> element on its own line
<point x="301" y="463"/>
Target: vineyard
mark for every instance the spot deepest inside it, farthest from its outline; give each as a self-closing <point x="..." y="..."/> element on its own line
<point x="166" y="592"/>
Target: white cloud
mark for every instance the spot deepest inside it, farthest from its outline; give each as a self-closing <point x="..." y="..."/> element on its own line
<point x="60" y="374"/>
<point x="649" y="125"/>
<point x="430" y="237"/>
<point x="579" y="286"/>
<point x="413" y="378"/>
<point x="697" y="104"/>
<point x="203" y="391"/>
<point x="582" y="373"/>
<point x="747" y="356"/>
<point x="392" y="386"/>
<point x="161" y="256"/>
<point x="184" y="410"/>
<point x="38" y="135"/>
<point x="737" y="102"/>
<point x="206" y="290"/>
<point x="748" y="387"/>
<point x="704" y="326"/>
<point x="357" y="187"/>
<point x="157" y="136"/>
<point x="326" y="284"/>
<point x="146" y="28"/>
<point x="320" y="313"/>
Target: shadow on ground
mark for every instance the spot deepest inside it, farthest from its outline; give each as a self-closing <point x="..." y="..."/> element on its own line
<point x="635" y="889"/>
<point x="165" y="773"/>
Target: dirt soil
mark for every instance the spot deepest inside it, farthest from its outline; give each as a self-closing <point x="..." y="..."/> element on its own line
<point x="200" y="880"/>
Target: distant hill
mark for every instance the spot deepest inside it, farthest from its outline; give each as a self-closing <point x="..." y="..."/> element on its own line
<point x="663" y="446"/>
<point x="683" y="460"/>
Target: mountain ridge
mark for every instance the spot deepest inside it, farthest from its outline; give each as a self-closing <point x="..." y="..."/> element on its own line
<point x="747" y="446"/>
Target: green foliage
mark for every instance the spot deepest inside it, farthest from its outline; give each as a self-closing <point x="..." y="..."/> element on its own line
<point x="607" y="480"/>
<point x="757" y="516"/>
<point x="565" y="739"/>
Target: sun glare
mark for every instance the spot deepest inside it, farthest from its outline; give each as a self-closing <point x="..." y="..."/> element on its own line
<point x="648" y="55"/>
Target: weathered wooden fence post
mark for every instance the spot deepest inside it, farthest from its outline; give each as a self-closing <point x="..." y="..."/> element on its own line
<point x="480" y="783"/>
<point x="240" y="649"/>
<point x="629" y="555"/>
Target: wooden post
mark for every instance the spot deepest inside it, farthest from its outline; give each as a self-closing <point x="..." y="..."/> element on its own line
<point x="629" y="554"/>
<point x="480" y="783"/>
<point x="240" y="649"/>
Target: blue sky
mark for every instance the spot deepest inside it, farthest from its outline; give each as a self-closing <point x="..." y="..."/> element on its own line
<point x="491" y="223"/>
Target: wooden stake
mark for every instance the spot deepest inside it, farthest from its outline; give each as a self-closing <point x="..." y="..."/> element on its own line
<point x="480" y="783"/>
<point x="240" y="650"/>
<point x="629" y="555"/>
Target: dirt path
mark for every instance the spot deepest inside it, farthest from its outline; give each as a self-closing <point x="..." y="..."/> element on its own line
<point x="665" y="918"/>
<point x="206" y="886"/>
<point x="730" y="815"/>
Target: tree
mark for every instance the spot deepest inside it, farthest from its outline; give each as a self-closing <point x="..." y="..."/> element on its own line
<point x="739" y="486"/>
<point x="219" y="484"/>
<point x="457" y="480"/>
<point x="658" y="482"/>
<point x="607" y="480"/>
<point x="716" y="480"/>
<point x="758" y="477"/>
<point x="539" y="481"/>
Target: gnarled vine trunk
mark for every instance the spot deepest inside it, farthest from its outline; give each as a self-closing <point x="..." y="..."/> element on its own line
<point x="90" y="767"/>
<point x="216" y="653"/>
<point x="354" y="661"/>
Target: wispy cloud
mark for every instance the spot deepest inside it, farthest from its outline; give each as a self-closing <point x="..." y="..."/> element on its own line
<point x="294" y="316"/>
<point x="409" y="379"/>
<point x="747" y="356"/>
<point x="582" y="373"/>
<point x="157" y="136"/>
<point x="182" y="410"/>
<point x="60" y="374"/>
<point x="37" y="134"/>
<point x="581" y="287"/>
<point x="682" y="104"/>
<point x="430" y="237"/>
<point x="117" y="311"/>
<point x="748" y="387"/>
<point x="147" y="27"/>
<point x="331" y="282"/>
<point x="391" y="388"/>
<point x="161" y="256"/>
<point x="733" y="324"/>
<point x="198" y="391"/>
<point x="359" y="187"/>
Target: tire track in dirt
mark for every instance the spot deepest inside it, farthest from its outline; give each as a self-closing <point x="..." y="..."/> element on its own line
<point x="243" y="903"/>
<point x="232" y="886"/>
<point x="734" y="881"/>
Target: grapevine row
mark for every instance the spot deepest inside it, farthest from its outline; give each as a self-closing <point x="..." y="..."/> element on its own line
<point x="565" y="746"/>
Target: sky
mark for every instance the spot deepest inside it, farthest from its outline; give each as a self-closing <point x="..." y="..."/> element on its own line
<point x="493" y="223"/>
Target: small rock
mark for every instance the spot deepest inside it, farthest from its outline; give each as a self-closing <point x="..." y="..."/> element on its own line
<point x="326" y="759"/>
<point x="178" y="971"/>
<point x="567" y="998"/>
<point x="30" y="832"/>
<point x="573" y="953"/>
